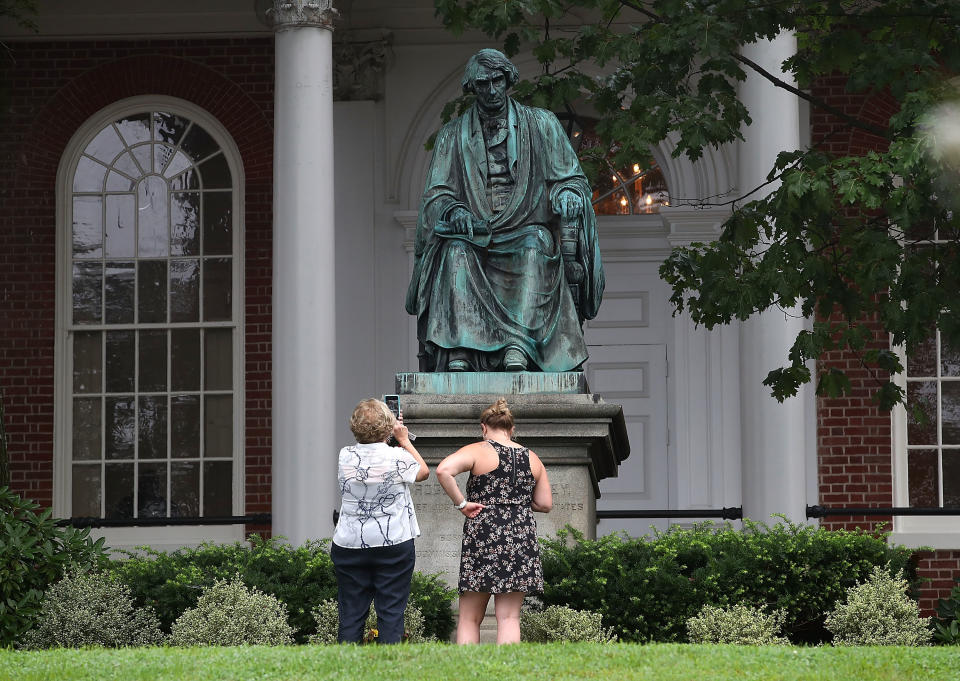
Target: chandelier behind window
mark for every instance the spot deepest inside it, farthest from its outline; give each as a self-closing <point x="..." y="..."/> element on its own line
<point x="631" y="190"/>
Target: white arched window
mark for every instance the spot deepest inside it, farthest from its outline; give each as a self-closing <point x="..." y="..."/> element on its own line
<point x="150" y="320"/>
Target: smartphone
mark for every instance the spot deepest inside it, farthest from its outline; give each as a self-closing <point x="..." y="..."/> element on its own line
<point x="393" y="404"/>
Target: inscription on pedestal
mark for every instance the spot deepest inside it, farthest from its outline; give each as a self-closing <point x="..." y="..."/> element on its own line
<point x="438" y="547"/>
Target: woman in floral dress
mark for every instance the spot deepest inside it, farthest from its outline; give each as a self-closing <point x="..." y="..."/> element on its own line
<point x="500" y="553"/>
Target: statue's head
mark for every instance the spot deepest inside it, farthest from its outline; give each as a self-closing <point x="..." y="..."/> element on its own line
<point x="491" y="59"/>
<point x="489" y="74"/>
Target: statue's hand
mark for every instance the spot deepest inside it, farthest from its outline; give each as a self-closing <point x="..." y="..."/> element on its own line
<point x="461" y="220"/>
<point x="569" y="204"/>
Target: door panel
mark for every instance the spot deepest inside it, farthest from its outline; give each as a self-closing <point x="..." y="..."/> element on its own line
<point x="635" y="377"/>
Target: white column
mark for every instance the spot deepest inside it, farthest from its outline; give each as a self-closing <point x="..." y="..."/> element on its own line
<point x="775" y="437"/>
<point x="304" y="293"/>
<point x="705" y="372"/>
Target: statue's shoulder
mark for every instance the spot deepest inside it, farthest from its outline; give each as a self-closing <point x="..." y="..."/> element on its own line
<point x="451" y="129"/>
<point x="541" y="116"/>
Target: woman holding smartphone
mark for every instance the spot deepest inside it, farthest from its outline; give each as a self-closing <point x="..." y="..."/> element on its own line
<point x="373" y="549"/>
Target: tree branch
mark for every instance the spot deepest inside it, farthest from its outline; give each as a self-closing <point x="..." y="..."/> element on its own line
<point x="819" y="103"/>
<point x="851" y="120"/>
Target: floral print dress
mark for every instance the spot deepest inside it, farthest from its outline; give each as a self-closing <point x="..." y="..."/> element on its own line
<point x="500" y="552"/>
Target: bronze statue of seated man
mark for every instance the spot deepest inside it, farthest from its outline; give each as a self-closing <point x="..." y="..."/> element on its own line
<point x="507" y="264"/>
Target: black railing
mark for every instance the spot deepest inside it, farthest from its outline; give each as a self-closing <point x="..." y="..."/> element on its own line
<point x="824" y="511"/>
<point x="732" y="513"/>
<point x="254" y="519"/>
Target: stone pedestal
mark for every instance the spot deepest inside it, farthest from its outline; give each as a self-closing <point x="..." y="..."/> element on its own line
<point x="580" y="438"/>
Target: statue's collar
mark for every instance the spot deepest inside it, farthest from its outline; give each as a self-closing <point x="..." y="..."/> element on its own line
<point x="510" y="115"/>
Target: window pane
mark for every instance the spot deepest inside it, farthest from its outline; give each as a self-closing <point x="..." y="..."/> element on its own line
<point x="120" y="225"/>
<point x="923" y="477"/>
<point x="218" y="426"/>
<point x="951" y="478"/>
<point x="125" y="165"/>
<point x="119" y="293"/>
<point x="135" y="128"/>
<point x="185" y="359"/>
<point x="217" y="488"/>
<point x="153" y="361"/>
<point x="86" y="492"/>
<point x="198" y="144"/>
<point x="949" y="358"/>
<point x="950" y="415"/>
<point x="87" y="362"/>
<point x="922" y="361"/>
<point x="152" y="291"/>
<point x="215" y="173"/>
<point x="152" y="490"/>
<point x="153" y="211"/>
<point x="106" y="146"/>
<point x="922" y="413"/>
<point x="87" y="227"/>
<point x="143" y="153"/>
<point x="218" y="359"/>
<point x="121" y="353"/>
<point x="184" y="220"/>
<point x="119" y="428"/>
<point x="217" y="289"/>
<point x="178" y="164"/>
<point x="217" y="223"/>
<point x="185" y="489"/>
<point x="87" y="292"/>
<point x="87" y="445"/>
<point x="118" y="490"/>
<point x="169" y="127"/>
<point x="185" y="426"/>
<point x="119" y="183"/>
<point x="189" y="179"/>
<point x="184" y="290"/>
<point x="152" y="427"/>
<point x="89" y="176"/>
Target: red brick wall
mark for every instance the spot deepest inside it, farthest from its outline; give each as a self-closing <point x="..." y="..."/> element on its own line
<point x="47" y="91"/>
<point x="853" y="436"/>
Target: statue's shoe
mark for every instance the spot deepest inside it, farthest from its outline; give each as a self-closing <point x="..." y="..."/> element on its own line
<point x="458" y="365"/>
<point x="514" y="360"/>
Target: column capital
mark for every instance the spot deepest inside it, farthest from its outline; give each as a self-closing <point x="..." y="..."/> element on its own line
<point x="300" y="13"/>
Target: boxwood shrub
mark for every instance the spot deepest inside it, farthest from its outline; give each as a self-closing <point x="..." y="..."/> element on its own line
<point x="646" y="589"/>
<point x="299" y="576"/>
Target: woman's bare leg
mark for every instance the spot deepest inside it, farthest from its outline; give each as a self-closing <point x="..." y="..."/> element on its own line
<point x="507" y="607"/>
<point x="473" y="605"/>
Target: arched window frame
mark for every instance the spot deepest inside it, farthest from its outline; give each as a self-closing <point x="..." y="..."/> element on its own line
<point x="169" y="536"/>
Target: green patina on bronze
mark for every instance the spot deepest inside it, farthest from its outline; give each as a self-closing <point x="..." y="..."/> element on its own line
<point x="507" y="263"/>
<point x="492" y="383"/>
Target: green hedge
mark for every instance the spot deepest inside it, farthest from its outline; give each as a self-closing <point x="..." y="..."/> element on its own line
<point x="300" y="576"/>
<point x="34" y="553"/>
<point x="646" y="589"/>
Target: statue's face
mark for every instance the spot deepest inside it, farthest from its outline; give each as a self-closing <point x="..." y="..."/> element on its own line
<point x="490" y="86"/>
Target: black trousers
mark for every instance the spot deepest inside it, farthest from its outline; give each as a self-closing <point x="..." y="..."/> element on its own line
<point x="378" y="573"/>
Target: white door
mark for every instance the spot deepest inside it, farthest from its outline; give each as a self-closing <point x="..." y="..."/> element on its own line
<point x="628" y="366"/>
<point x="635" y="377"/>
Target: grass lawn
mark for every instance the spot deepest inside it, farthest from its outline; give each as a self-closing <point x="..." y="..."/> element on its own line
<point x="436" y="662"/>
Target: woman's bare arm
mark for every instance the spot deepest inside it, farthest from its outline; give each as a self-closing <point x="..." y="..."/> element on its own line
<point x="459" y="462"/>
<point x="542" y="494"/>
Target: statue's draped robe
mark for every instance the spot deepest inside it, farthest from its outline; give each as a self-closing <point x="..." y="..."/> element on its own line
<point x="512" y="291"/>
